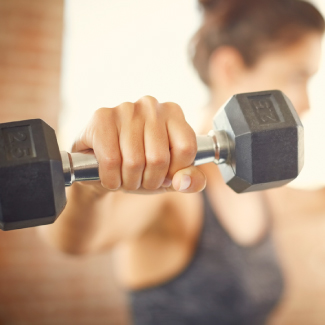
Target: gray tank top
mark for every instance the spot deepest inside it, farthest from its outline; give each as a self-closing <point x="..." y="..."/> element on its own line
<point x="224" y="284"/>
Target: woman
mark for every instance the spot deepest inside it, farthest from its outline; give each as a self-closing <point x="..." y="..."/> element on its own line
<point x="201" y="258"/>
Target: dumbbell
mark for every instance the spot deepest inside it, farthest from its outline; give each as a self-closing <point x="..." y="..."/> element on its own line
<point x="257" y="142"/>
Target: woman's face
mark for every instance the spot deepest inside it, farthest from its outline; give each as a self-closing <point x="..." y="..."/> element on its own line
<point x="288" y="69"/>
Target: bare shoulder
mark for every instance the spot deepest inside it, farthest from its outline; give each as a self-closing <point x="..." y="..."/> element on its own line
<point x="165" y="246"/>
<point x="243" y="216"/>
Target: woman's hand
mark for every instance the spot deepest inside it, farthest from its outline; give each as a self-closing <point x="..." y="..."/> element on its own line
<point x="143" y="147"/>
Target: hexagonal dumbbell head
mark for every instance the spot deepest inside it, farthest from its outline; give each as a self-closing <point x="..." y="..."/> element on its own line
<point x="32" y="189"/>
<point x="265" y="141"/>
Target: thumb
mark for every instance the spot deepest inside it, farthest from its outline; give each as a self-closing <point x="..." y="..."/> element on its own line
<point x="189" y="180"/>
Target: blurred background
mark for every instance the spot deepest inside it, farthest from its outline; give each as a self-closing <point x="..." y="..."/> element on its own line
<point x="60" y="61"/>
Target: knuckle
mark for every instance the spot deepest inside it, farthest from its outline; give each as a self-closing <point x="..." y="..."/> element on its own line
<point x="101" y="112"/>
<point x="109" y="163"/>
<point x="188" y="149"/>
<point x="126" y="108"/>
<point x="157" y="161"/>
<point x="148" y="105"/>
<point x="134" y="164"/>
<point x="175" y="108"/>
<point x="147" y="98"/>
<point x="101" y="115"/>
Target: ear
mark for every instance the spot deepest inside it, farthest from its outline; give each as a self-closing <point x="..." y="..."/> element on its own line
<point x="226" y="66"/>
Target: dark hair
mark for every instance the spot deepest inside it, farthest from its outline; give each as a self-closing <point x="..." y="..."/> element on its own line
<point x="251" y="26"/>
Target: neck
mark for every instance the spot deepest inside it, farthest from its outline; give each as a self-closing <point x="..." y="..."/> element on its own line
<point x="217" y="99"/>
<point x="219" y="94"/>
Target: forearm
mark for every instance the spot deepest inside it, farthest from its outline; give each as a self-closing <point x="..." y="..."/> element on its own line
<point x="96" y="219"/>
<point x="77" y="229"/>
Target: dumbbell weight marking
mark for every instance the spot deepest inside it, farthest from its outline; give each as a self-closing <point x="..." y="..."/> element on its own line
<point x="265" y="111"/>
<point x="17" y="141"/>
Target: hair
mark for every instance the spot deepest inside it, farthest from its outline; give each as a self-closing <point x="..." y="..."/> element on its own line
<point x="253" y="27"/>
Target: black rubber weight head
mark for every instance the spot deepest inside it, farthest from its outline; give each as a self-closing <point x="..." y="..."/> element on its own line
<point x="266" y="140"/>
<point x="32" y="189"/>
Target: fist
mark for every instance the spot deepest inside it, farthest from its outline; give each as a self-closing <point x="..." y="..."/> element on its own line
<point x="143" y="147"/>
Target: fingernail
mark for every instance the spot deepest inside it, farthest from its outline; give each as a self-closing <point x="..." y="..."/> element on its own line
<point x="185" y="183"/>
<point x="167" y="182"/>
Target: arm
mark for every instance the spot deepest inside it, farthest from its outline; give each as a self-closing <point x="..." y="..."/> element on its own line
<point x="94" y="221"/>
<point x="142" y="148"/>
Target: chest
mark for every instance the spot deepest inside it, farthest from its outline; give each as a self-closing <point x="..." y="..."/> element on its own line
<point x="224" y="281"/>
<point x="244" y="216"/>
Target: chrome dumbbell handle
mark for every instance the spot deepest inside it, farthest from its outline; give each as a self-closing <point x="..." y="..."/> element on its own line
<point x="79" y="167"/>
<point x="214" y="147"/>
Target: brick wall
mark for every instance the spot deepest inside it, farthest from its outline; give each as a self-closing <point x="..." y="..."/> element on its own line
<point x="30" y="56"/>
<point x="37" y="284"/>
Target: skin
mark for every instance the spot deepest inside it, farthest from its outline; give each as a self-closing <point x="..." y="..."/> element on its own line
<point x="147" y="148"/>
